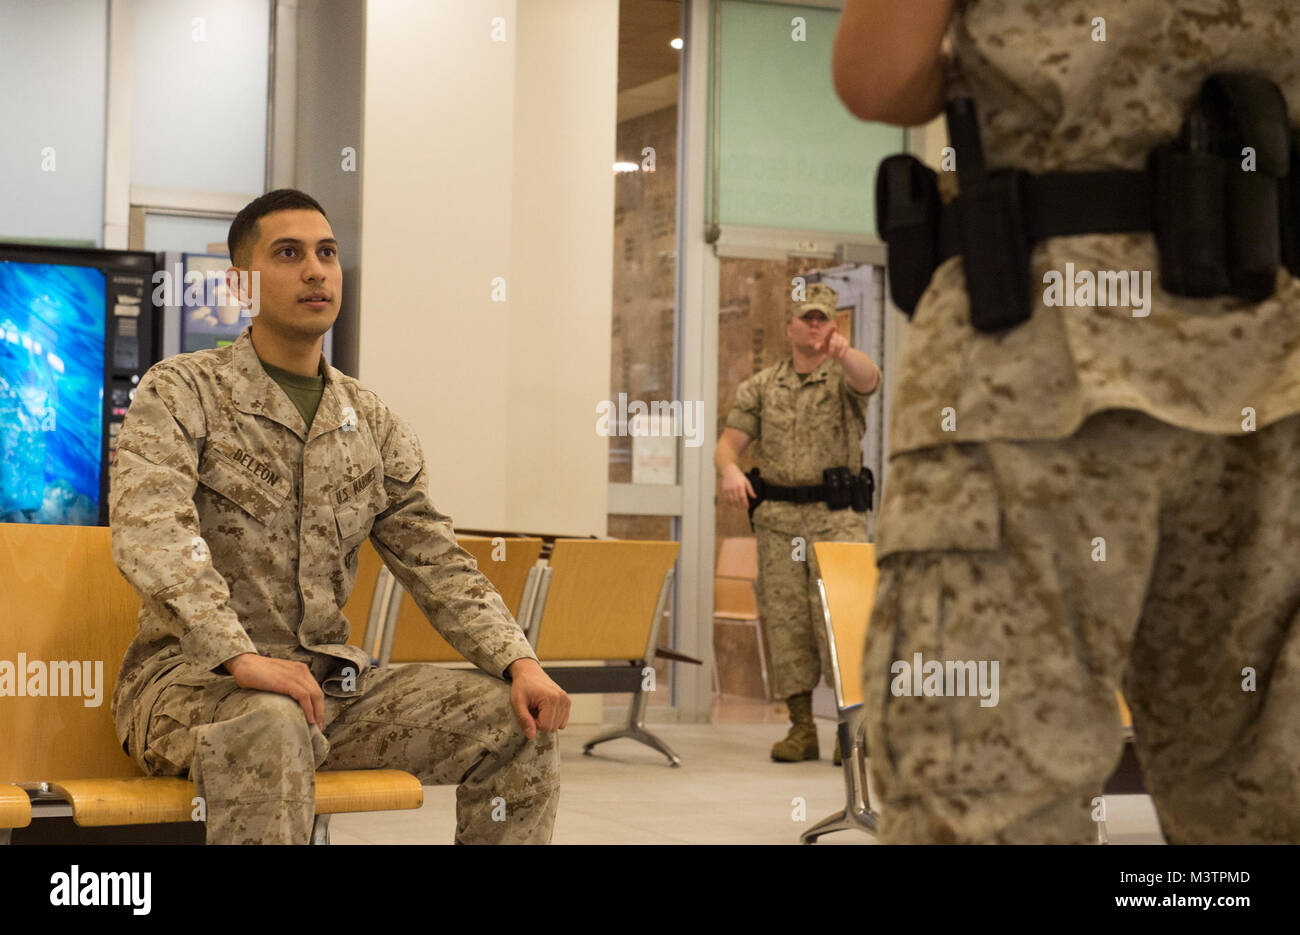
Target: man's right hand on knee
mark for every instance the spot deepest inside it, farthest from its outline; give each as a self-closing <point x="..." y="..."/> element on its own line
<point x="284" y="677"/>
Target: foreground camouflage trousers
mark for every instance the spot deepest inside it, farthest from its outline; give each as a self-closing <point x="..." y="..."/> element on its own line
<point x="992" y="552"/>
<point x="790" y="601"/>
<point x="254" y="757"/>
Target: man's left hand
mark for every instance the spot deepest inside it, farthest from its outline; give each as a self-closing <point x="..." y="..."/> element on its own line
<point x="539" y="703"/>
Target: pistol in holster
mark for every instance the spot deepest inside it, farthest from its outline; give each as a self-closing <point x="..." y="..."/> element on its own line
<point x="755" y="481"/>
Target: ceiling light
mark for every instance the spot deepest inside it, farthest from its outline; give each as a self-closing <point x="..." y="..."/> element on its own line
<point x="676" y="44"/>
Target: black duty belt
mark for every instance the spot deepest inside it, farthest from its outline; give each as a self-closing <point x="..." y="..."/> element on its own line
<point x="840" y="490"/>
<point x="1223" y="200"/>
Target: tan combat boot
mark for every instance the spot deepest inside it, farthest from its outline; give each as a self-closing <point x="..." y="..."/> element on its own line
<point x="801" y="742"/>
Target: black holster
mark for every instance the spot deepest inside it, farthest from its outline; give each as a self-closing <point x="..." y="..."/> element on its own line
<point x="755" y="481"/>
<point x="995" y="246"/>
<point x="863" y="488"/>
<point x="907" y="216"/>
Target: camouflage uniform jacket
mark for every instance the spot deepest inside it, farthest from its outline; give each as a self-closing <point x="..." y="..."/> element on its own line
<point x="240" y="528"/>
<point x="1052" y="98"/>
<point x="802" y="428"/>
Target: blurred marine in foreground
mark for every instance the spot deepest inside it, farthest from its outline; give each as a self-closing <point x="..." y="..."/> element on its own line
<point x="1094" y="443"/>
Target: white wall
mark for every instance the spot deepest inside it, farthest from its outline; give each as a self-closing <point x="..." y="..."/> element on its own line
<point x="562" y="249"/>
<point x="483" y="159"/>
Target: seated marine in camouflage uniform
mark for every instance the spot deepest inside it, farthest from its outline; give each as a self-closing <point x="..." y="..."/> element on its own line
<point x="247" y="478"/>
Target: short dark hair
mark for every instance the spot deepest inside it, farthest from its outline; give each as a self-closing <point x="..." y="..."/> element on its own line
<point x="243" y="229"/>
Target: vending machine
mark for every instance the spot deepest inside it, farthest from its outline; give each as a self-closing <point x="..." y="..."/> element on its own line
<point x="78" y="329"/>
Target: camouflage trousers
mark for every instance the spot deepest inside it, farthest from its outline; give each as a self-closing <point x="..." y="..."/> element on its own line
<point x="789" y="599"/>
<point x="254" y="757"/>
<point x="1132" y="555"/>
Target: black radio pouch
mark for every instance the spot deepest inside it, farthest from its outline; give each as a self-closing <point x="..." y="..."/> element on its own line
<point x="907" y="216"/>
<point x="1190" y="221"/>
<point x="1253" y="112"/>
<point x="1223" y="225"/>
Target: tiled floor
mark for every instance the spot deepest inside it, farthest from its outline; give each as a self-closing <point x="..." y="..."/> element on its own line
<point x="726" y="792"/>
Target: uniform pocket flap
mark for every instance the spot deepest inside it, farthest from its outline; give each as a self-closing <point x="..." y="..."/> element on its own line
<point x="358" y="501"/>
<point x="352" y="519"/>
<point x="255" y="498"/>
<point x="941" y="498"/>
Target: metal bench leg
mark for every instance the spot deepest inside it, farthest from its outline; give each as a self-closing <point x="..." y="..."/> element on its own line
<point x="837" y="822"/>
<point x="859" y="803"/>
<point x="320" y="831"/>
<point x="857" y="813"/>
<point x="635" y="730"/>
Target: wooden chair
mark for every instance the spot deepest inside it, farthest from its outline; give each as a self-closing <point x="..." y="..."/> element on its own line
<point x="368" y="602"/>
<point x="735" y="599"/>
<point x="510" y="566"/>
<point x="848" y="590"/>
<point x="15" y="811"/>
<point x="64" y="600"/>
<point x="848" y="586"/>
<point x="603" y="601"/>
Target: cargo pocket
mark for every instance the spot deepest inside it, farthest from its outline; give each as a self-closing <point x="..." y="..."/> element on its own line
<point x="176" y="704"/>
<point x="939" y="532"/>
<point x="941" y="498"/>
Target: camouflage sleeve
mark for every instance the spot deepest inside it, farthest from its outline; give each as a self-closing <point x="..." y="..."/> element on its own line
<point x="418" y="545"/>
<point x="746" y="413"/>
<point x="155" y="525"/>
<point x="855" y="400"/>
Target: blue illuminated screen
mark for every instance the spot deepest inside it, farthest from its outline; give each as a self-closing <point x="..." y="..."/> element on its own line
<point x="52" y="321"/>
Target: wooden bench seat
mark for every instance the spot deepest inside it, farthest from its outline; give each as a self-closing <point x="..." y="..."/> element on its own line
<point x="603" y="602"/>
<point x="145" y="801"/>
<point x="15" y="808"/>
<point x="66" y="600"/>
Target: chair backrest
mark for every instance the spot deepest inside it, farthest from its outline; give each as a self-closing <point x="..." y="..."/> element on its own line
<point x="738" y="558"/>
<point x="62" y="602"/>
<point x="602" y="598"/>
<point x="357" y="609"/>
<point x="848" y="574"/>
<point x="505" y="565"/>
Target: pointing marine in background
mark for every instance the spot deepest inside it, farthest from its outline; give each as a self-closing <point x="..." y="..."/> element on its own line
<point x="1093" y="486"/>
<point x="808" y="413"/>
<point x="246" y="480"/>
